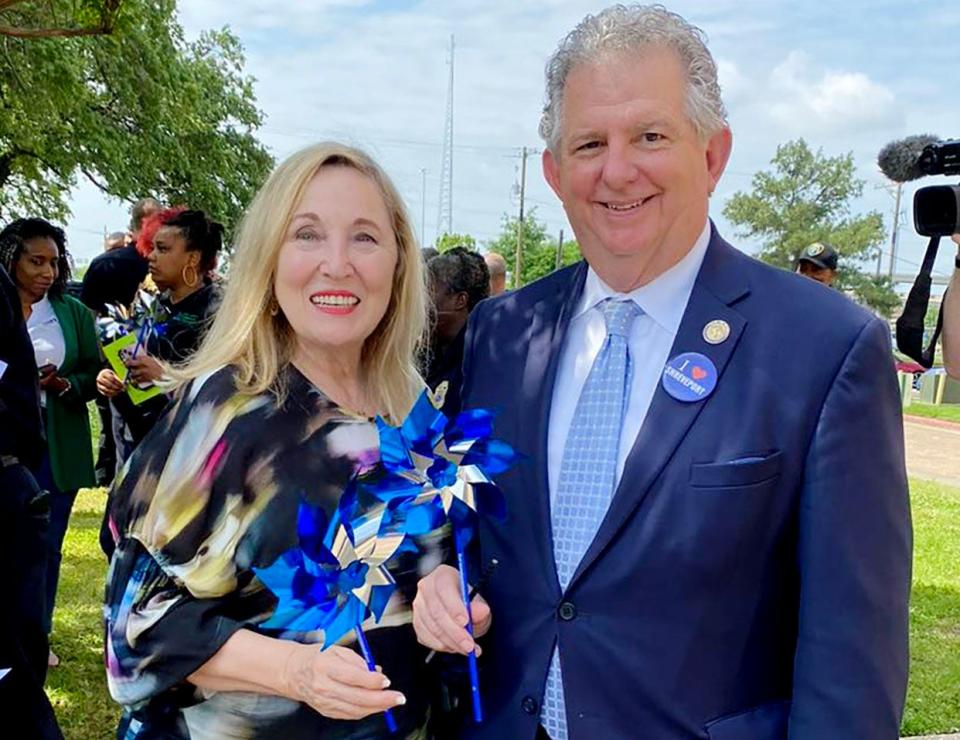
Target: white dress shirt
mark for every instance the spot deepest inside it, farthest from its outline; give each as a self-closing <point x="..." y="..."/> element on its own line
<point x="663" y="302"/>
<point x="47" y="337"/>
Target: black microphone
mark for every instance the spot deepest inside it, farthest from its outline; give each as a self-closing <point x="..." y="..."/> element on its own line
<point x="900" y="160"/>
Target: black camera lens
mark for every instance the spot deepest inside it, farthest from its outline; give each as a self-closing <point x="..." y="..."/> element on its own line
<point x="936" y="210"/>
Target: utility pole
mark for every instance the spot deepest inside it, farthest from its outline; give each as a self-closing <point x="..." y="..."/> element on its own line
<point x="894" y="237"/>
<point x="560" y="251"/>
<point x="518" y="258"/>
<point x="423" y="206"/>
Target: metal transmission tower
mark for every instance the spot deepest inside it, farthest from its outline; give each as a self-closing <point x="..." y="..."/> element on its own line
<point x="445" y="207"/>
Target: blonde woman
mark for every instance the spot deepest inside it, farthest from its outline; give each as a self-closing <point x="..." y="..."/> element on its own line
<point x="316" y="334"/>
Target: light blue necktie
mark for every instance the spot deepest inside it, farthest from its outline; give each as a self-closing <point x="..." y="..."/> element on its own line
<point x="588" y="473"/>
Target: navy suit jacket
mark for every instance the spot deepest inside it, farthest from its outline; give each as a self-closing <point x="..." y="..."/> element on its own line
<point x="750" y="600"/>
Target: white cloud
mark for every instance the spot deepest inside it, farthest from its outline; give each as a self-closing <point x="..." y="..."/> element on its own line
<point x="734" y="85"/>
<point x="805" y="99"/>
<point x="373" y="72"/>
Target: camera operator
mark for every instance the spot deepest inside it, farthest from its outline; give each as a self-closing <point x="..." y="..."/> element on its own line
<point x="936" y="213"/>
<point x="951" y="319"/>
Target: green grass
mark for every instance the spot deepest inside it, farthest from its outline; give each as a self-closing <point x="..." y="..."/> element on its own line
<point x="948" y="412"/>
<point x="79" y="693"/>
<point x="77" y="688"/>
<point x="933" y="696"/>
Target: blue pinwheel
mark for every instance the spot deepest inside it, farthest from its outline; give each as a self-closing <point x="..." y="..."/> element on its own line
<point x="436" y="469"/>
<point x="331" y="582"/>
<point x="150" y="317"/>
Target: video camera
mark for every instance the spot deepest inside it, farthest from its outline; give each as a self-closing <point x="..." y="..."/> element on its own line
<point x="936" y="208"/>
<point x="936" y="213"/>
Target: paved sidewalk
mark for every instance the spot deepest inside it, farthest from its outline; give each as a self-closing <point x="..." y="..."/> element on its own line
<point x="933" y="449"/>
<point x="935" y="737"/>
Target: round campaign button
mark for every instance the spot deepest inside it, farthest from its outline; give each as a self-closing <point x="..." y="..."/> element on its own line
<point x="689" y="377"/>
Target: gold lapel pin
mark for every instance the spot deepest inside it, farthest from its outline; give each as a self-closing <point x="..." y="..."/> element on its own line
<point x="716" y="332"/>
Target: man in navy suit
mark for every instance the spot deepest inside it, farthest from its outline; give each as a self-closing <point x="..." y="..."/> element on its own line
<point x="711" y="536"/>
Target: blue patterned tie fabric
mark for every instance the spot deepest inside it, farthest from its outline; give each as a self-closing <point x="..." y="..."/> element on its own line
<point x="588" y="474"/>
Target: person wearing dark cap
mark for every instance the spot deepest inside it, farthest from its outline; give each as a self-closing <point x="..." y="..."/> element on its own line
<point x="818" y="262"/>
<point x="459" y="280"/>
<point x="113" y="278"/>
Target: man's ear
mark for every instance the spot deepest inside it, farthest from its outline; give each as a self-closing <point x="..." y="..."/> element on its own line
<point x="718" y="149"/>
<point x="551" y="171"/>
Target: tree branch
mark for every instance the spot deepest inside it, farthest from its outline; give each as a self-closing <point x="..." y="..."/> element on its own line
<point x="107" y="17"/>
<point x="45" y="33"/>
<point x="89" y="175"/>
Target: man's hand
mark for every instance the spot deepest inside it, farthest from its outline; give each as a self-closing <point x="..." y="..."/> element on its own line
<point x="956" y="239"/>
<point x="440" y="617"/>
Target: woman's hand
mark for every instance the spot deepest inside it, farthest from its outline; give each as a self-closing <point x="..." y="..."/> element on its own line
<point x="51" y="382"/>
<point x="336" y="683"/>
<point x="108" y="384"/>
<point x="144" y="369"/>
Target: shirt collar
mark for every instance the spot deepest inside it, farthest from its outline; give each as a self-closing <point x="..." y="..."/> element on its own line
<point x="663" y="299"/>
<point x="42" y="310"/>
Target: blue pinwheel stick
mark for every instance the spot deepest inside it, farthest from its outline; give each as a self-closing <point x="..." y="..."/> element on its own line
<point x="372" y="666"/>
<point x="461" y="539"/>
<point x="448" y="463"/>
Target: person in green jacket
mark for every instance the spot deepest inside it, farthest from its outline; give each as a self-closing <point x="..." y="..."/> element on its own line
<point x="64" y="341"/>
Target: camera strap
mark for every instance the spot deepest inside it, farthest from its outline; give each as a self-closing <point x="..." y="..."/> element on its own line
<point x="910" y="325"/>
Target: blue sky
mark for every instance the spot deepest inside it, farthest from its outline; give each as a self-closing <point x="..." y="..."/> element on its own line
<point x="846" y="76"/>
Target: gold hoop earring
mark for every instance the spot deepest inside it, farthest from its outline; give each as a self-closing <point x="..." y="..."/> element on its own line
<point x="196" y="276"/>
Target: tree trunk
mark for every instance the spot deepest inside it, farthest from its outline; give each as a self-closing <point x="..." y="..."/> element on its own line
<point x="6" y="167"/>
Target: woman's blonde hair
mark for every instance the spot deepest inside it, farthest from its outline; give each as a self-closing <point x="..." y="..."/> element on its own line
<point x="260" y="344"/>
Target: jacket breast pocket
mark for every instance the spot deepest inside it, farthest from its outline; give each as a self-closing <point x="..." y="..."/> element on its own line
<point x="765" y="722"/>
<point x="744" y="471"/>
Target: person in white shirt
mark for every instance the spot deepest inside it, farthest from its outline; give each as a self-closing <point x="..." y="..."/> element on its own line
<point x="64" y="341"/>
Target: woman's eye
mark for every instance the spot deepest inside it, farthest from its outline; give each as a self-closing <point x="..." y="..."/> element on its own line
<point x="365" y="237"/>
<point x="307" y="235"/>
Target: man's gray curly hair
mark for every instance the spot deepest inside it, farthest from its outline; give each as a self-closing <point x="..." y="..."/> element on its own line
<point x="634" y="28"/>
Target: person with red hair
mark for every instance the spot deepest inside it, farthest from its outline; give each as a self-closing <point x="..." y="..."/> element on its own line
<point x="181" y="248"/>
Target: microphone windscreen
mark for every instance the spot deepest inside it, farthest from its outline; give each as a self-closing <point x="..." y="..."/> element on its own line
<point x="900" y="160"/>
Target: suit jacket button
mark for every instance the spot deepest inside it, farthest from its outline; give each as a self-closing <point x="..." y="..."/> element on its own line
<point x="529" y="705"/>
<point x="567" y="611"/>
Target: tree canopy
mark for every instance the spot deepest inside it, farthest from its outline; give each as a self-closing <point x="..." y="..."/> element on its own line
<point x="136" y="109"/>
<point x="807" y="197"/>
<point x="446" y="242"/>
<point x="539" y="248"/>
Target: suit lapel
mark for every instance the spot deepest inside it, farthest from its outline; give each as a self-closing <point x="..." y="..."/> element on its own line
<point x="551" y="318"/>
<point x="668" y="420"/>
